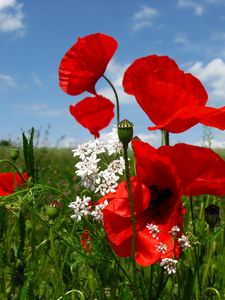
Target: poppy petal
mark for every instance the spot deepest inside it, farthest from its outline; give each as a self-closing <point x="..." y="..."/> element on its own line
<point x="145" y="66"/>
<point x="162" y="97"/>
<point x="93" y="113"/>
<point x="202" y="170"/>
<point x="170" y="98"/>
<point x="9" y="181"/>
<point x="187" y="117"/>
<point x="85" y="62"/>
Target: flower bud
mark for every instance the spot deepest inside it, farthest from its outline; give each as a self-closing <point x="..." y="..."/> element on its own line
<point x="212" y="215"/>
<point x="14" y="153"/>
<point x="125" y="132"/>
<point x="53" y="209"/>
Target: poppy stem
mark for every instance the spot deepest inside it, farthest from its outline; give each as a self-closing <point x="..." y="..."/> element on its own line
<point x="195" y="249"/>
<point x="131" y="202"/>
<point x="116" y="96"/>
<point x="12" y="165"/>
<point x="165" y="138"/>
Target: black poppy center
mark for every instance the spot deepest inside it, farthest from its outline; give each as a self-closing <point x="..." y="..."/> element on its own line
<point x="159" y="196"/>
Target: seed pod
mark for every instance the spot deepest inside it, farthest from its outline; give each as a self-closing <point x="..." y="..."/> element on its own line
<point x="212" y="215"/>
<point x="53" y="209"/>
<point x="14" y="153"/>
<point x="125" y="132"/>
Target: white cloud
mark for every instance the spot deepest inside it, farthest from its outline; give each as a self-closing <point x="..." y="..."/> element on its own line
<point x="153" y="138"/>
<point x="181" y="38"/>
<point x="144" y="17"/>
<point x="37" y="109"/>
<point x="36" y="79"/>
<point x="213" y="75"/>
<point x="6" y="82"/>
<point x="192" y="4"/>
<point x="11" y="16"/>
<point x="115" y="72"/>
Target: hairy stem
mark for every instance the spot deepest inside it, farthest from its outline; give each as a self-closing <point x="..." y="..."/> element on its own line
<point x="131" y="202"/>
<point x="116" y="96"/>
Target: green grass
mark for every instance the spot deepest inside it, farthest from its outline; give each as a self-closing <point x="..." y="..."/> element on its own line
<point x="44" y="259"/>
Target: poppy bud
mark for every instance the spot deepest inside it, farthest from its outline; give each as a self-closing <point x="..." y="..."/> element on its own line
<point x="212" y="215"/>
<point x="14" y="154"/>
<point x="125" y="132"/>
<point x="53" y="209"/>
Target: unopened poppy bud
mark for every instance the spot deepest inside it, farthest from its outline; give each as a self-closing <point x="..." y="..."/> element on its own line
<point x="14" y="154"/>
<point x="125" y="131"/>
<point x="53" y="209"/>
<point x="212" y="215"/>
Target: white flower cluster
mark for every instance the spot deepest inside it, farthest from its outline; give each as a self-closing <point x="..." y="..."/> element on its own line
<point x="169" y="265"/>
<point x="161" y="248"/>
<point x="184" y="242"/>
<point x="174" y="231"/>
<point x="97" y="213"/>
<point x="88" y="169"/>
<point x="81" y="207"/>
<point x="153" y="229"/>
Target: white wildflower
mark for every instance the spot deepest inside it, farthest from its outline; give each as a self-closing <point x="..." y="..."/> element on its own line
<point x="97" y="146"/>
<point x="169" y="265"/>
<point x="113" y="144"/>
<point x="174" y="231"/>
<point x="89" y="181"/>
<point x="184" y="242"/>
<point x="153" y="229"/>
<point x="97" y="213"/>
<point x="161" y="248"/>
<point x="88" y="166"/>
<point x="107" y="182"/>
<point x="80" y="207"/>
<point x="83" y="150"/>
<point x="117" y="166"/>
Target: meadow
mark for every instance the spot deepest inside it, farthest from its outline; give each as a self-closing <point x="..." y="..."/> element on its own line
<point x="116" y="218"/>
<point x="44" y="254"/>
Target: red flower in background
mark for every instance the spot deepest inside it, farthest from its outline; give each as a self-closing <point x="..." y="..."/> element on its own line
<point x="157" y="207"/>
<point x="86" y="240"/>
<point x="93" y="113"/>
<point x="85" y="62"/>
<point x="172" y="99"/>
<point x="9" y="181"/>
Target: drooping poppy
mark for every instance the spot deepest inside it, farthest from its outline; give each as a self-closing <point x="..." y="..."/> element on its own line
<point x="85" y="62"/>
<point x="9" y="181"/>
<point x="94" y="113"/>
<point x="157" y="206"/>
<point x="173" y="100"/>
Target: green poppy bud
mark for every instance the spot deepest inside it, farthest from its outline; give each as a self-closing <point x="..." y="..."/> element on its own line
<point x="53" y="210"/>
<point x="125" y="132"/>
<point x="212" y="215"/>
<point x="14" y="154"/>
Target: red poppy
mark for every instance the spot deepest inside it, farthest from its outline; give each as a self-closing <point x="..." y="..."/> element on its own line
<point x="157" y="204"/>
<point x="201" y="170"/>
<point x="9" y="181"/>
<point x="163" y="175"/>
<point x="85" y="62"/>
<point x="86" y="240"/>
<point x="173" y="100"/>
<point x="94" y="113"/>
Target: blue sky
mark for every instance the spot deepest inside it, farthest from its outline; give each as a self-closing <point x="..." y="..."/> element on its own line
<point x="34" y="35"/>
